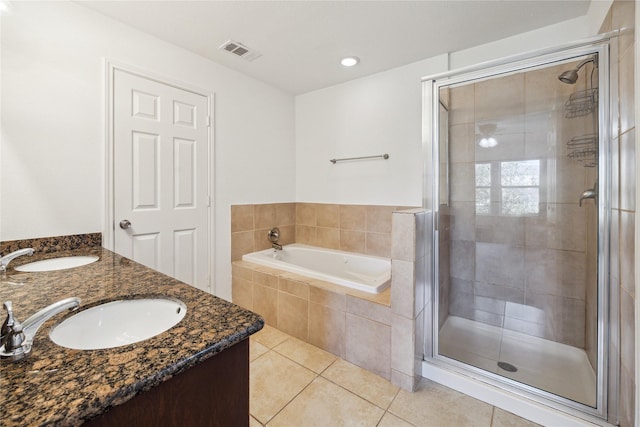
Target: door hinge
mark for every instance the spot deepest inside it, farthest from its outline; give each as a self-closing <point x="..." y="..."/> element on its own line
<point x="209" y="201"/>
<point x="208" y="120"/>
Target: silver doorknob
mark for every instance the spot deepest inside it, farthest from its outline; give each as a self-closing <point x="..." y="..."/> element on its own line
<point x="125" y="223"/>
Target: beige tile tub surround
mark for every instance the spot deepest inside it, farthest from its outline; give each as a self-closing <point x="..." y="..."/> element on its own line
<point x="353" y="228"/>
<point x="251" y="223"/>
<point x="410" y="293"/>
<point x="362" y="229"/>
<point x="350" y="324"/>
<point x="381" y="333"/>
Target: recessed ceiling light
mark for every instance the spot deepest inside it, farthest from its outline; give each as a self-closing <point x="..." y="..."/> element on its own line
<point x="488" y="142"/>
<point x="350" y="61"/>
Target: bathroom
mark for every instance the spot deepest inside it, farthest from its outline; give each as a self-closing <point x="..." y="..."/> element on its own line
<point x="270" y="146"/>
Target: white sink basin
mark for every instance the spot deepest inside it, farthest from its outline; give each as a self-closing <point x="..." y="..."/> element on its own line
<point x="54" y="264"/>
<point x="118" y="323"/>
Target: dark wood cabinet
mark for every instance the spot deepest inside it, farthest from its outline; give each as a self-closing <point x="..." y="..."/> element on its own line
<point x="212" y="393"/>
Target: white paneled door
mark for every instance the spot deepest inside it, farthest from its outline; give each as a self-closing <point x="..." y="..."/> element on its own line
<point x="161" y="175"/>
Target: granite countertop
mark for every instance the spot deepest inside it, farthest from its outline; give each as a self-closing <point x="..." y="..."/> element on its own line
<point x="66" y="387"/>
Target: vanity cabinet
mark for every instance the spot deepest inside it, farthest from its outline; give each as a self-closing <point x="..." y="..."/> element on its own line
<point x="212" y="393"/>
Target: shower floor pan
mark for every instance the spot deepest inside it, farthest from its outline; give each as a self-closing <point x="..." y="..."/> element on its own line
<point x="547" y="365"/>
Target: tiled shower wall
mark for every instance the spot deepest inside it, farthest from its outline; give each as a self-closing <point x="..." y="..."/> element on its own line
<point x="524" y="272"/>
<point x="411" y="269"/>
<point x="623" y="201"/>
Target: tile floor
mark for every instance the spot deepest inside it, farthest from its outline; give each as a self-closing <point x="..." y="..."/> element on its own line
<point x="295" y="384"/>
<point x="544" y="364"/>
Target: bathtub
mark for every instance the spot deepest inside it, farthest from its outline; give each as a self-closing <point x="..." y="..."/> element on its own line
<point x="365" y="273"/>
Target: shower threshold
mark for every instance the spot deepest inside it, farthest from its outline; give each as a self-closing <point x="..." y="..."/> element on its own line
<point x="547" y="365"/>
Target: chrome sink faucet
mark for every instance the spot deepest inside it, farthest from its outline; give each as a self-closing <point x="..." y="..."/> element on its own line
<point x="5" y="260"/>
<point x="16" y="339"/>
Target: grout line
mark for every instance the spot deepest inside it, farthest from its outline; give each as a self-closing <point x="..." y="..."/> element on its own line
<point x="328" y="366"/>
<point x="397" y="416"/>
<point x="293" y="398"/>
<point x="300" y="364"/>
<point x="381" y="417"/>
<point x="251" y="361"/>
<point x="355" y="394"/>
<point x="280" y="343"/>
<point x="394" y="398"/>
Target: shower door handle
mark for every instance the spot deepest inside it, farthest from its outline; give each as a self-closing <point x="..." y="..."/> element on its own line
<point x="588" y="194"/>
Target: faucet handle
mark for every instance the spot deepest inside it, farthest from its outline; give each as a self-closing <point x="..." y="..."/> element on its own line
<point x="14" y="338"/>
<point x="8" y="305"/>
<point x="8" y="323"/>
<point x="11" y="336"/>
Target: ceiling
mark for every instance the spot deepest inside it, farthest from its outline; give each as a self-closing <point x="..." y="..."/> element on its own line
<point x="301" y="42"/>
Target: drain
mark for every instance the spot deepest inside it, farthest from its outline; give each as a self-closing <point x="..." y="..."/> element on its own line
<point x="507" y="366"/>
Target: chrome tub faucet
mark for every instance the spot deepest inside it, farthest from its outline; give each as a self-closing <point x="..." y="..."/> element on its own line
<point x="16" y="339"/>
<point x="274" y="236"/>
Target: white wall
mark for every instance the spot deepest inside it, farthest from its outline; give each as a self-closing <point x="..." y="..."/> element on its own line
<point x="368" y="116"/>
<point x="382" y="113"/>
<point x="52" y="140"/>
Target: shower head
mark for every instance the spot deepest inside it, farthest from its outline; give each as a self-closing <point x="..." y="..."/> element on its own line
<point x="571" y="76"/>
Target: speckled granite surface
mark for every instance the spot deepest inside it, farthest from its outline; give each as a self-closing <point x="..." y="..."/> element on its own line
<point x="60" y="386"/>
<point x="53" y="244"/>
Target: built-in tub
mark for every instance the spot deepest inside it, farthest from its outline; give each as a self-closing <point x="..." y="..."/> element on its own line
<point x="365" y="273"/>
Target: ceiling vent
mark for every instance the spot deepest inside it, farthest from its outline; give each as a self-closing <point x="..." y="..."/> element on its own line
<point x="240" y="50"/>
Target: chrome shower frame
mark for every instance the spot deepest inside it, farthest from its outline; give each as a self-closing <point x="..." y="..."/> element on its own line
<point x="605" y="47"/>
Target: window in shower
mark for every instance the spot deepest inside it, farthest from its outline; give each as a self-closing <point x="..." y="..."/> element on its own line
<point x="520" y="191"/>
<point x="483" y="188"/>
<point x="517" y="189"/>
<point x="518" y="294"/>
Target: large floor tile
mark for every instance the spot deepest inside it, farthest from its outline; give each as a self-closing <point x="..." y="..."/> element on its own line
<point x="368" y="385"/>
<point x="253" y="422"/>
<point x="507" y="419"/>
<point x="307" y="355"/>
<point x="390" y="420"/>
<point x="269" y="336"/>
<point x="274" y="382"/>
<point x="256" y="350"/>
<point x="434" y="405"/>
<point x="326" y="404"/>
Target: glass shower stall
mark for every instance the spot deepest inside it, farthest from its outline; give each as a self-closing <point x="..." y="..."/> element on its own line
<point x="521" y="185"/>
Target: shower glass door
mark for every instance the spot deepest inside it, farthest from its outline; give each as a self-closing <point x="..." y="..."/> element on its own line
<point x="519" y="226"/>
